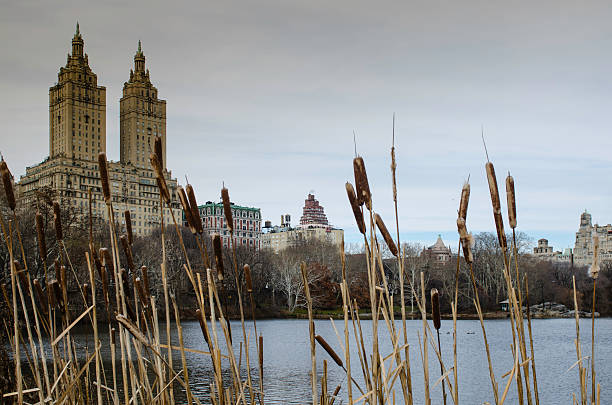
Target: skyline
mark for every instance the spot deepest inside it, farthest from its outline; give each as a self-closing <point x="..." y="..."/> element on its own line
<point x="276" y="97"/>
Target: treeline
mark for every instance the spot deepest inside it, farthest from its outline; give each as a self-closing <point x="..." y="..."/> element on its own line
<point x="276" y="279"/>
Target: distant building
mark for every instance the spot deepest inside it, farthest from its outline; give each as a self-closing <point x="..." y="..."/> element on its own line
<point x="247" y="224"/>
<point x="546" y="252"/>
<point x="313" y="226"/>
<point x="439" y="253"/>
<point x="583" y="249"/>
<point x="77" y="134"/>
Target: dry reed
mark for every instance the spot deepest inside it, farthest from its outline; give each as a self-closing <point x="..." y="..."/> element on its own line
<point x="57" y="220"/>
<point x="7" y="181"/>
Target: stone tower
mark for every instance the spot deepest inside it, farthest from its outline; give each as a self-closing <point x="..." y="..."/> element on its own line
<point x="143" y="116"/>
<point x="77" y="108"/>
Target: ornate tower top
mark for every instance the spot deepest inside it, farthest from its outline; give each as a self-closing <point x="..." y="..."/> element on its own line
<point x="139" y="73"/>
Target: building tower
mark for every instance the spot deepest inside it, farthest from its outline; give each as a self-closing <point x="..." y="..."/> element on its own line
<point x="77" y="108"/>
<point x="313" y="213"/>
<point x="143" y="116"/>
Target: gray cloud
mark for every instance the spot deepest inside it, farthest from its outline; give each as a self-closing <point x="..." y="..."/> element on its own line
<point x="265" y="95"/>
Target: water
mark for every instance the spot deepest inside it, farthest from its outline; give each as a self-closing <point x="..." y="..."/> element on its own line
<point x="287" y="361"/>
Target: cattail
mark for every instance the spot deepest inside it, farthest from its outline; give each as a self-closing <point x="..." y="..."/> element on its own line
<point x="465" y="199"/>
<point x="216" y="241"/>
<point x="63" y="280"/>
<point x="386" y="235"/>
<point x="113" y="337"/>
<point x="466" y="241"/>
<point x="350" y="191"/>
<point x="104" y="177"/>
<point x="40" y="234"/>
<point x="227" y="209"/>
<point x="7" y="180"/>
<point x="247" y="276"/>
<point x="107" y="261"/>
<point x="57" y="295"/>
<point x="159" y="151"/>
<point x="57" y="219"/>
<point x="42" y="299"/>
<point x="128" y="251"/>
<point x="104" y="277"/>
<point x="128" y="226"/>
<point x="435" y="308"/>
<point x="141" y="293"/>
<point x="261" y="358"/>
<point x="193" y="204"/>
<point x="594" y="268"/>
<point x="161" y="180"/>
<point x="203" y="326"/>
<point x="186" y="209"/>
<point x="335" y="394"/>
<point x="127" y="292"/>
<point x="511" y="201"/>
<point x="361" y="182"/>
<point x="329" y="350"/>
<point x="145" y="279"/>
<point x="499" y="222"/>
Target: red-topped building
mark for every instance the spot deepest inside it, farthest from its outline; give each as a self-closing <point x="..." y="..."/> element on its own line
<point x="313" y="213"/>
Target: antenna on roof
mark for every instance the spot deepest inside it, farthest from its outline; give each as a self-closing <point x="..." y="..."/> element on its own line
<point x="483" y="141"/>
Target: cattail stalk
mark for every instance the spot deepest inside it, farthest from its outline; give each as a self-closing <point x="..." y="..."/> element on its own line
<point x="42" y="298"/>
<point x="435" y="316"/>
<point x="361" y="182"/>
<point x="187" y="209"/>
<point x="103" y="166"/>
<point x="466" y="241"/>
<point x="329" y="350"/>
<point x="204" y="328"/>
<point x="465" y="199"/>
<point x="350" y="191"/>
<point x="57" y="220"/>
<point x="247" y="276"/>
<point x="193" y="205"/>
<point x="386" y="235"/>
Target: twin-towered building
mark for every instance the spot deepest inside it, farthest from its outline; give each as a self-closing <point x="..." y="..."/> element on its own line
<point x="77" y="134"/>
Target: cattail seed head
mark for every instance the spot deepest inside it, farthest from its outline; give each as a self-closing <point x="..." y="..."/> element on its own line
<point x="40" y="236"/>
<point x="159" y="150"/>
<point x="499" y="222"/>
<point x="57" y="294"/>
<point x="140" y="291"/>
<point x="594" y="268"/>
<point x="113" y="336"/>
<point x="195" y="213"/>
<point x="161" y="180"/>
<point x="104" y="277"/>
<point x="107" y="261"/>
<point x="466" y="241"/>
<point x="329" y="350"/>
<point x="350" y="192"/>
<point x="186" y="210"/>
<point x="261" y="358"/>
<point x="7" y="180"/>
<point x="386" y="235"/>
<point x="465" y="199"/>
<point x="104" y="177"/>
<point x="63" y="280"/>
<point x="128" y="226"/>
<point x="511" y="201"/>
<point x="247" y="276"/>
<point x="393" y="169"/>
<point x="435" y="307"/>
<point x="57" y="220"/>
<point x="227" y="209"/>
<point x="85" y="293"/>
<point x="40" y="295"/>
<point x="361" y="182"/>
<point x="128" y="252"/>
<point x="216" y="241"/>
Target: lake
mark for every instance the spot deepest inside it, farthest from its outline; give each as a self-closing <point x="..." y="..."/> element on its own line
<point x="287" y="361"/>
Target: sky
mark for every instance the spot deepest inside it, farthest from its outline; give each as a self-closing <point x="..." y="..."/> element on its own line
<point x="265" y="96"/>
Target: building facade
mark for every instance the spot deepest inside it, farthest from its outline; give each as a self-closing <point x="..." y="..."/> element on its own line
<point x="583" y="249"/>
<point x="314" y="226"/>
<point x="546" y="252"/>
<point x="247" y="224"/>
<point x="77" y="128"/>
<point x="438" y="253"/>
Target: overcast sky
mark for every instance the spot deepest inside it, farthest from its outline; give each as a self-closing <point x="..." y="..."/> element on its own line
<point x="265" y="95"/>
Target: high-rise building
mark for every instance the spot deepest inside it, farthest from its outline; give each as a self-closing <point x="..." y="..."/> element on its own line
<point x="583" y="249"/>
<point x="77" y="108"/>
<point x="77" y="128"/>
<point x="313" y="213"/>
<point x="143" y="116"/>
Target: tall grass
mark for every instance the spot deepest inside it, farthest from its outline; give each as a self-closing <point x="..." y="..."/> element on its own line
<point x="142" y="346"/>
